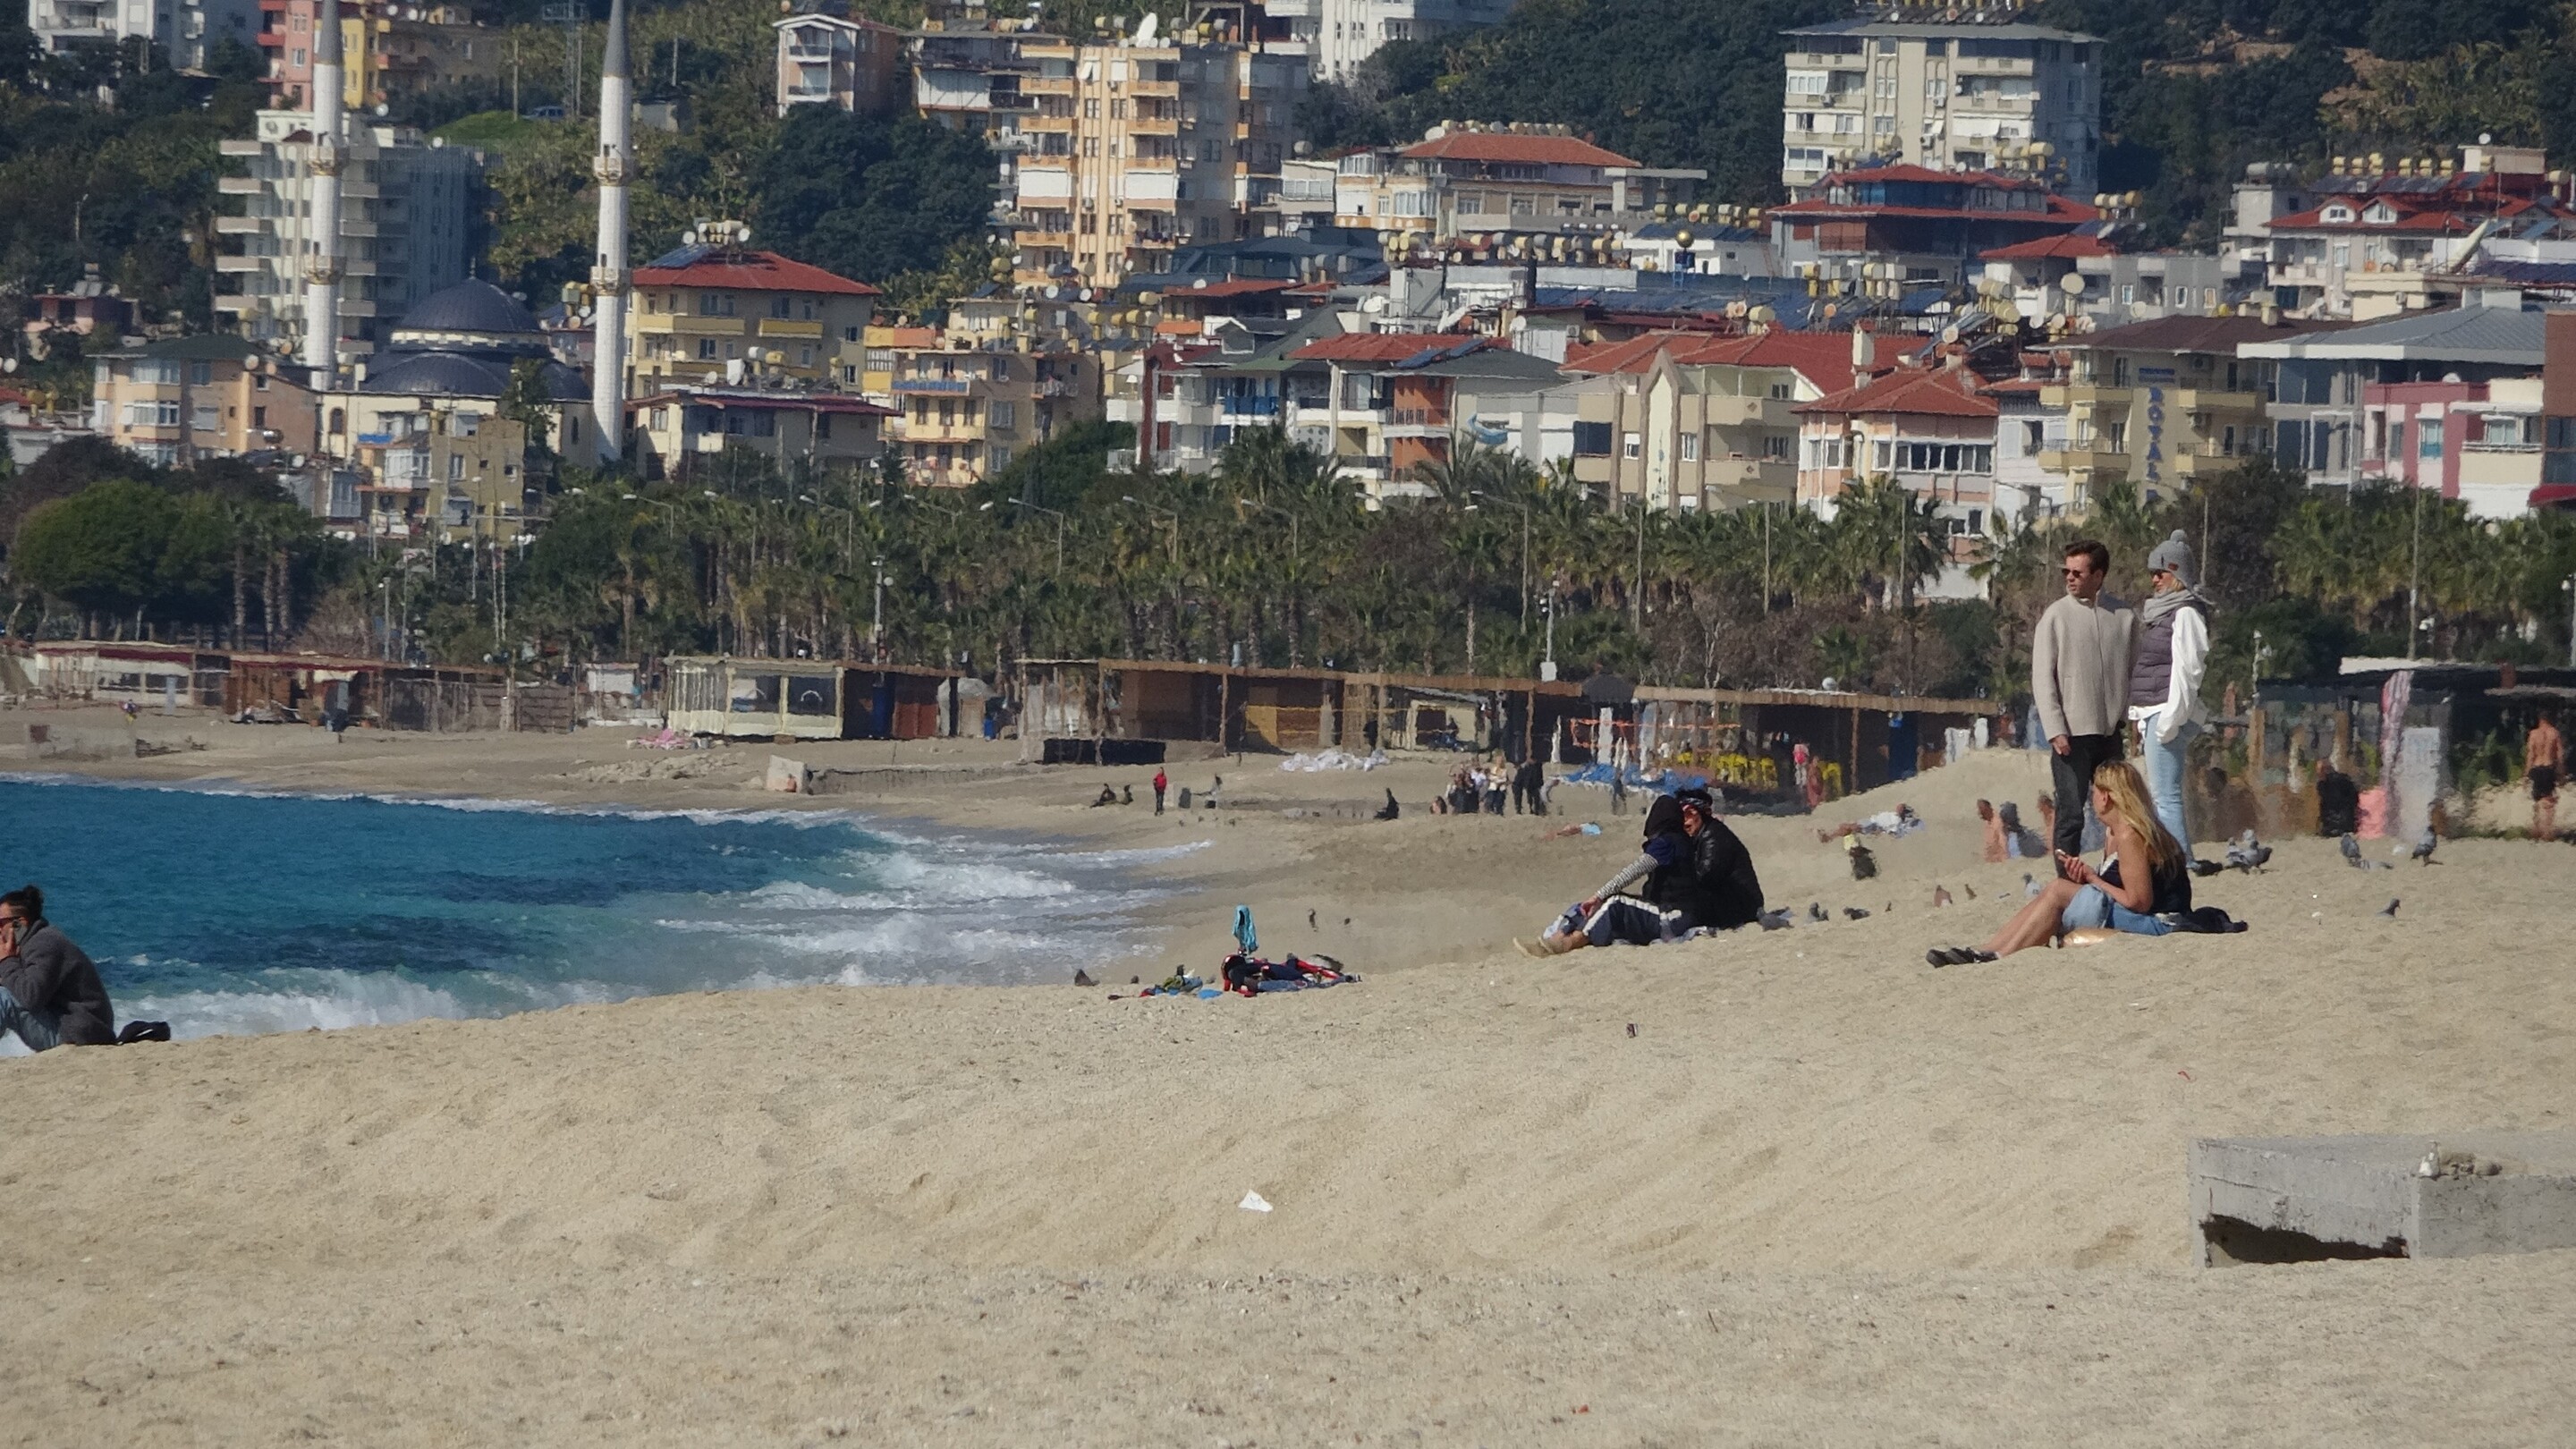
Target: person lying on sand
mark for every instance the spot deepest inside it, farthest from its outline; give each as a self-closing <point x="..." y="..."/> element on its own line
<point x="1900" y="821"/>
<point x="2084" y="899"/>
<point x="50" y="994"/>
<point x="1695" y="873"/>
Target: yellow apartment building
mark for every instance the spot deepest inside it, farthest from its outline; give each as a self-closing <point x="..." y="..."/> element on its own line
<point x="184" y="398"/>
<point x="963" y="414"/>
<point x="1130" y="150"/>
<point x="723" y="315"/>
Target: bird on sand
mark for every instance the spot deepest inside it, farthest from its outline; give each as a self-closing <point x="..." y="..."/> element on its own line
<point x="2424" y="847"/>
<point x="2352" y="855"/>
<point x="1940" y="895"/>
<point x="2390" y="910"/>
<point x="1971" y="890"/>
<point x="1083" y="978"/>
<point x="1815" y="910"/>
<point x="2029" y="887"/>
<point x="1854" y="913"/>
<point x="1310" y="920"/>
<point x="2246" y="853"/>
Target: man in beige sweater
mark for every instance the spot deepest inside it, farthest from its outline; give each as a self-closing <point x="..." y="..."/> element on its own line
<point x="2079" y="676"/>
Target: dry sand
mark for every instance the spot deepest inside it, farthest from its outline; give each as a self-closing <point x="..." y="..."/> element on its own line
<point x="1823" y="1194"/>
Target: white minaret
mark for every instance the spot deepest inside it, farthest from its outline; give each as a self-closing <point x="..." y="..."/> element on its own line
<point x="322" y="268"/>
<point x="608" y="270"/>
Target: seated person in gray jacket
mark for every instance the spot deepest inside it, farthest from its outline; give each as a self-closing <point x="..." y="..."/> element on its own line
<point x="50" y="994"/>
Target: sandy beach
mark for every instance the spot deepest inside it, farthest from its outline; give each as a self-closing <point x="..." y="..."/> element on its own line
<point x="1775" y="1187"/>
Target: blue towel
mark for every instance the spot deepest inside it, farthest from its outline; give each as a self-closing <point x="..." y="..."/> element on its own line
<point x="1244" y="936"/>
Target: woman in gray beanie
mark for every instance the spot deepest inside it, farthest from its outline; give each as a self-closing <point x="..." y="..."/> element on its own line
<point x="2164" y="684"/>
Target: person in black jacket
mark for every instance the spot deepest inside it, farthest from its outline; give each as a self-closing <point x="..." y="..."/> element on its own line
<point x="50" y="994"/>
<point x="2338" y="801"/>
<point x="1690" y="872"/>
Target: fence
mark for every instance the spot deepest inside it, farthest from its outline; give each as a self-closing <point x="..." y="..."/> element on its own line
<point x="443" y="706"/>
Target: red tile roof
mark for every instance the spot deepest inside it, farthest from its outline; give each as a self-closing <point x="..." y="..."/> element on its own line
<point x="1823" y="358"/>
<point x="1504" y="147"/>
<point x="1941" y="392"/>
<point x="2067" y="247"/>
<point x="1388" y="347"/>
<point x="752" y="272"/>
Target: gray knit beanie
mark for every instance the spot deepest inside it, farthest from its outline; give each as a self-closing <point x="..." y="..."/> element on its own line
<point x="2175" y="554"/>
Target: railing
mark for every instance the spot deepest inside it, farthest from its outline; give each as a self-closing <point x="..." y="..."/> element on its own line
<point x="949" y="385"/>
<point x="1417" y="418"/>
<point x="1249" y="407"/>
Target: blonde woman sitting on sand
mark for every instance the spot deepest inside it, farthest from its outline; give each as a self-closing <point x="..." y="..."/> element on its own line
<point x="2086" y="905"/>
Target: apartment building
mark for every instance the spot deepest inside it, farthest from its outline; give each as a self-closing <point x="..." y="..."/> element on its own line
<point x="456" y="469"/>
<point x="1882" y="229"/>
<point x="1519" y="177"/>
<point x="963" y="411"/>
<point x="1931" y="429"/>
<point x="2162" y="404"/>
<point x="388" y="50"/>
<point x="179" y="399"/>
<point x="2478" y="442"/>
<point x="721" y="314"/>
<point x="2321" y="376"/>
<point x="1944" y="96"/>
<point x="826" y="56"/>
<point x="2113" y="285"/>
<point x="1131" y="150"/>
<point x="2378" y="239"/>
<point x="1337" y="36"/>
<point x="680" y="431"/>
<point x="185" y="32"/>
<point x="406" y="204"/>
<point x="1690" y="420"/>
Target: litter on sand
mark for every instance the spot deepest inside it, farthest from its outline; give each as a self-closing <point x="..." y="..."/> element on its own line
<point x="1254" y="1202"/>
<point x="1332" y="759"/>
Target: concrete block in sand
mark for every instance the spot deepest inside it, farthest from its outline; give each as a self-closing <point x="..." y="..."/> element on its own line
<point x="788" y="777"/>
<point x="2291" y="1199"/>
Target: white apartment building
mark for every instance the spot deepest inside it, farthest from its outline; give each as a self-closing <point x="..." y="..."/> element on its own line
<point x="405" y="201"/>
<point x="1336" y="35"/>
<point x="1946" y="96"/>
<point x="186" y="31"/>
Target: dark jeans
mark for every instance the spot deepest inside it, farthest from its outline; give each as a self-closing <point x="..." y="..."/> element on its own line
<point x="2073" y="772"/>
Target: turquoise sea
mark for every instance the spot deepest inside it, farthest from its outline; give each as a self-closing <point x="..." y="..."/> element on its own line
<point x="227" y="910"/>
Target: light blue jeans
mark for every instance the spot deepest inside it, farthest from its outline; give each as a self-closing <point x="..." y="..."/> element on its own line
<point x="41" y="1030"/>
<point x="2163" y="766"/>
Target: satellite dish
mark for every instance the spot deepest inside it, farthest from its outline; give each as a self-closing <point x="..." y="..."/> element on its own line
<point x="8" y="364"/>
<point x="2072" y="284"/>
<point x="1145" y="29"/>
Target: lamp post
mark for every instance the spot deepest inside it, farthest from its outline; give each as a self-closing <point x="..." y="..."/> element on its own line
<point x="1522" y="508"/>
<point x="1170" y="513"/>
<point x="1294" y="555"/>
<point x="2568" y="587"/>
<point x="876" y="622"/>
<point x="1059" y="529"/>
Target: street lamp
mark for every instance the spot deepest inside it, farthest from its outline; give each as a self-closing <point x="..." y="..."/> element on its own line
<point x="1171" y="513"/>
<point x="876" y="626"/>
<point x="2568" y="587"/>
<point x="1290" y="515"/>
<point x="1059" y="529"/>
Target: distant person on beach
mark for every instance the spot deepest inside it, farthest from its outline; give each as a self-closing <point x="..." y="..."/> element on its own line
<point x="1162" y="782"/>
<point x="50" y="994"/>
<point x="2145" y="875"/>
<point x="1529" y="787"/>
<point x="2338" y="801"/>
<point x="1691" y="872"/>
<point x="2544" y="761"/>
<point x="1997" y="849"/>
<point x="2080" y="660"/>
<point x="2164" y="682"/>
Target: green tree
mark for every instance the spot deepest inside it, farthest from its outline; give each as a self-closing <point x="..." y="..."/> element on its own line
<point x="100" y="550"/>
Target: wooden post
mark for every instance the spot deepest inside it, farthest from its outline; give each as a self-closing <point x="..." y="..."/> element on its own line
<point x="1851" y="781"/>
<point x="1224" y="710"/>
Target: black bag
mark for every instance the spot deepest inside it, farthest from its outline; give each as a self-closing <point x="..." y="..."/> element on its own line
<point x="136" y="1031"/>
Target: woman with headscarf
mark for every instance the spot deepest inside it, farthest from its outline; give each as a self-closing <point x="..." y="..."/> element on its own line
<point x="1691" y="871"/>
<point x="2164" y="683"/>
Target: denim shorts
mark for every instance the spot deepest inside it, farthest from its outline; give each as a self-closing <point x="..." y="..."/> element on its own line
<point x="2092" y="908"/>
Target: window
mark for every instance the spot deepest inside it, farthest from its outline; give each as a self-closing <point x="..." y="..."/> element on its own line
<point x="152" y="414"/>
<point x="455" y="467"/>
<point x="2396" y="438"/>
<point x="1592" y="440"/>
<point x="204" y="418"/>
<point x="259" y="417"/>
<point x="201" y="374"/>
<point x="707" y="348"/>
<point x="157" y="374"/>
<point x="2428" y="438"/>
<point x="999" y="457"/>
<point x="1471" y="203"/>
<point x="1629" y="446"/>
<point x="715" y="304"/>
<point x="1004" y="414"/>
<point x="2034" y="437"/>
<point x="2115" y="436"/>
<point x="849" y="334"/>
<point x="880" y="359"/>
<point x="1690" y="447"/>
<point x="1524" y="205"/>
<point x="822" y="427"/>
<point x="1001" y="369"/>
<point x="1775" y="447"/>
<point x="782" y="307"/>
<point x="656" y="419"/>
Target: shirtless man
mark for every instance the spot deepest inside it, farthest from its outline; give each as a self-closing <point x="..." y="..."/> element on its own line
<point x="2544" y="760"/>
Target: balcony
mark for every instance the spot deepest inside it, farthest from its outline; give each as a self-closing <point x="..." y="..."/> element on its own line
<point x="2086" y="456"/>
<point x="784" y="327"/>
<point x="1772" y="476"/>
<point x="1232" y="408"/>
<point x="689" y="324"/>
<point x="1416" y="423"/>
<point x="934" y="386"/>
<point x="240" y="225"/>
<point x="2060" y="396"/>
<point x="2199" y="399"/>
<point x="239" y="186"/>
<point x="1730" y="411"/>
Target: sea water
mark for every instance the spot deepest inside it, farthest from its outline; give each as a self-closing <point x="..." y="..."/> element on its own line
<point x="235" y="910"/>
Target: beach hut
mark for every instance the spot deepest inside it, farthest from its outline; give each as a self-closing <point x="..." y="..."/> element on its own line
<point x="804" y="699"/>
<point x="127" y="672"/>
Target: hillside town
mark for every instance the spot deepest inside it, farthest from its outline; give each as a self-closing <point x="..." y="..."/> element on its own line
<point x="1944" y="299"/>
